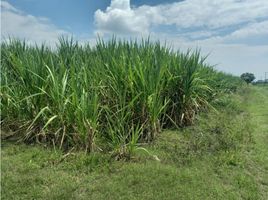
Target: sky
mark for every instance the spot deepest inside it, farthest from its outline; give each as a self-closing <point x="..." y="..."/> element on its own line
<point x="234" y="33"/>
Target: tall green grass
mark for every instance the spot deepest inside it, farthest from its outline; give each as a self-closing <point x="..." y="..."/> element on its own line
<point x="109" y="97"/>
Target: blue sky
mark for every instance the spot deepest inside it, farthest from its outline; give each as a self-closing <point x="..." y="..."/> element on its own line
<point x="233" y="32"/>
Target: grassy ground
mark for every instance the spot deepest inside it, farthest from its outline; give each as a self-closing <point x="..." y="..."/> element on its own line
<point x="188" y="167"/>
<point x="258" y="157"/>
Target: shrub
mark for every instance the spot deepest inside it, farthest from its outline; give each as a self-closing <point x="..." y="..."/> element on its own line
<point x="247" y="77"/>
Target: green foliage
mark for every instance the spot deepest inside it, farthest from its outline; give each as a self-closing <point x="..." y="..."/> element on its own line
<point x="225" y="128"/>
<point x="247" y="77"/>
<point x="109" y="97"/>
<point x="184" y="171"/>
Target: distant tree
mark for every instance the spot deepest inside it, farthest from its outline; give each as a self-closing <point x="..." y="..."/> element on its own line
<point x="247" y="77"/>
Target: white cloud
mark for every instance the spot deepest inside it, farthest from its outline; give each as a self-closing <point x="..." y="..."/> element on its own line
<point x="253" y="29"/>
<point x="251" y="34"/>
<point x="214" y="13"/>
<point x="120" y="4"/>
<point x="16" y="23"/>
<point x="6" y="6"/>
<point x="119" y="17"/>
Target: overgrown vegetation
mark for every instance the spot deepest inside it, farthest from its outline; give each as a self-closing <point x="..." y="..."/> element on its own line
<point x="222" y="131"/>
<point x="115" y="99"/>
<point x="213" y="159"/>
<point x="110" y="97"/>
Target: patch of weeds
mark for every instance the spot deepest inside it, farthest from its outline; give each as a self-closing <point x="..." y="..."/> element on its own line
<point x="221" y="132"/>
